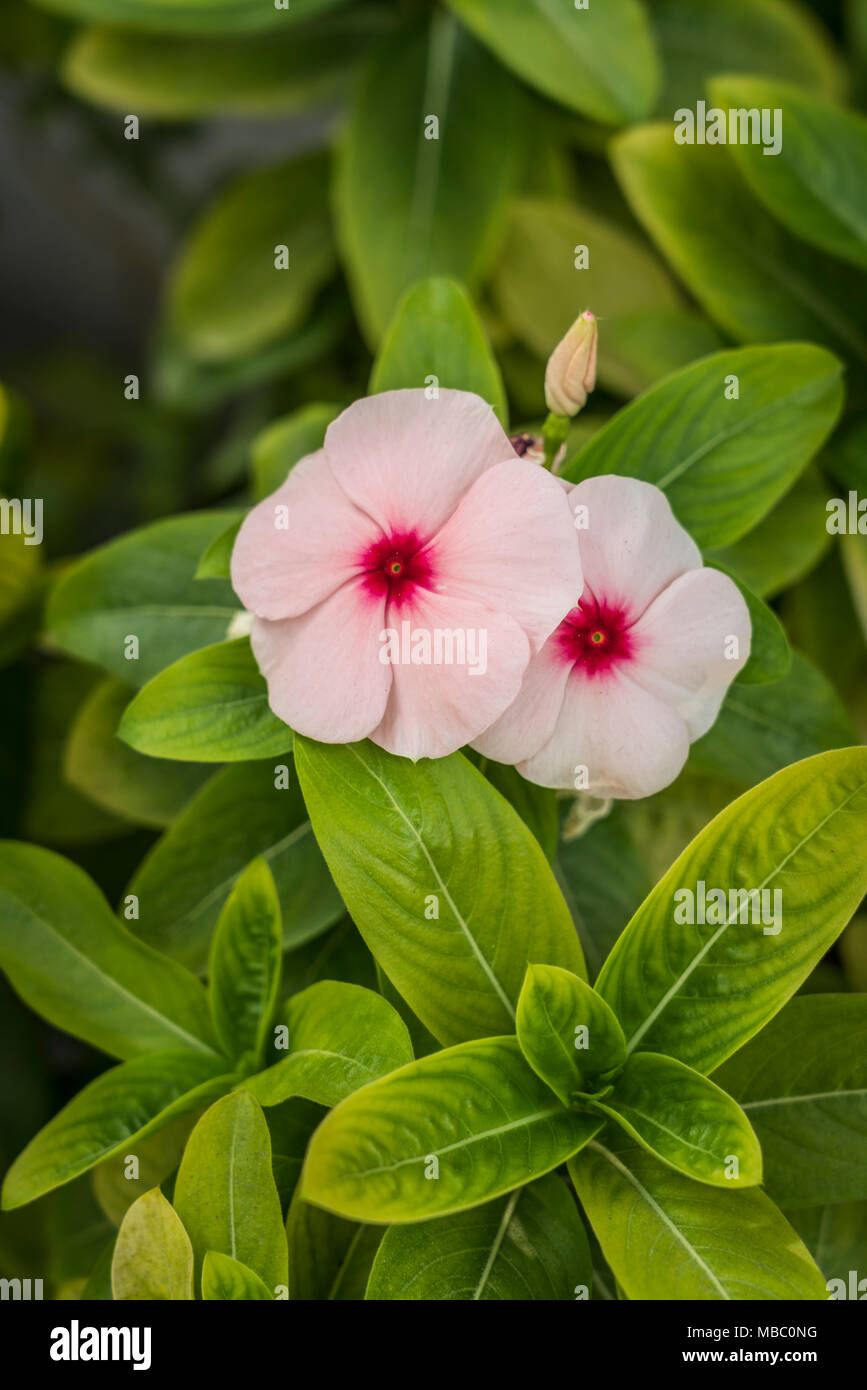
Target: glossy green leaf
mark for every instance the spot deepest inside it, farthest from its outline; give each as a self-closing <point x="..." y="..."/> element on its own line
<point x="153" y="1258"/>
<point x="714" y="984"/>
<point x="567" y="1032"/>
<point x="209" y="707"/>
<point x="215" y="562"/>
<point x="770" y="656"/>
<point x="723" y="463"/>
<point x="452" y="928"/>
<point x="763" y="728"/>
<point x="803" y="1084"/>
<point x="190" y="16"/>
<point x="530" y="1245"/>
<point x="146" y="791"/>
<point x="253" y="809"/>
<point x="685" y="1120"/>
<point x="668" y="1238"/>
<point x="119" y="1108"/>
<point x="756" y="280"/>
<point x="406" y="207"/>
<point x="329" y="1258"/>
<point x="812" y="185"/>
<point x="540" y="293"/>
<point x="229" y="1280"/>
<point x="279" y="447"/>
<point x="340" y="1037"/>
<point x="442" y="1134"/>
<point x="225" y="1192"/>
<point x="435" y="332"/>
<point x="244" y="971"/>
<point x="143" y="585"/>
<point x="599" y="60"/>
<point x="69" y="958"/>
<point x="786" y="544"/>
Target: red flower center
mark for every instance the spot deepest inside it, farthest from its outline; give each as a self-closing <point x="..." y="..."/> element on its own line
<point x="395" y="565"/>
<point x="595" y="637"/>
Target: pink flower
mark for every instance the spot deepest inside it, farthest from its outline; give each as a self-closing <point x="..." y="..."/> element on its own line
<point x="638" y="670"/>
<point x="403" y="576"/>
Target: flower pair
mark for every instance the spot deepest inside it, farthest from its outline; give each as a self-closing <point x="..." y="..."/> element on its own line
<point x="417" y="583"/>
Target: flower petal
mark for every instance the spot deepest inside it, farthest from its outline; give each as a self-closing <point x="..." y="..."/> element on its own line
<point x="529" y="722"/>
<point x="512" y="546"/>
<point x="682" y="641"/>
<point x="436" y="708"/>
<point x="631" y="743"/>
<point x="325" y="678"/>
<point x="280" y="573"/>
<point x="632" y="545"/>
<point x="407" y="461"/>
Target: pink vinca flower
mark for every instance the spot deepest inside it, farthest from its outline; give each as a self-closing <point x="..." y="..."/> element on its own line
<point x="639" y="668"/>
<point x="403" y="576"/>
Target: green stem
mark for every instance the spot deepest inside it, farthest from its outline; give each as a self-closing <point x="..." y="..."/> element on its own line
<point x="554" y="433"/>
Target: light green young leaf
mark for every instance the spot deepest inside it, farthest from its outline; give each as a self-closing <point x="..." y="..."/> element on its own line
<point x="228" y="295"/>
<point x="567" y="1032"/>
<point x="225" y="1192"/>
<point x="116" y="1110"/>
<point x="69" y="958"/>
<point x="146" y="791"/>
<point x="251" y="809"/>
<point x="803" y="1084"/>
<point x="143" y="586"/>
<point x="446" y="884"/>
<point x="440" y="1135"/>
<point x="340" y="1037"/>
<point x="530" y="1245"/>
<point x="812" y="184"/>
<point x="279" y="447"/>
<point x="229" y="1280"/>
<point x="671" y="1239"/>
<point x="153" y="1258"/>
<point x="216" y="559"/>
<point x="209" y="707"/>
<point x="799" y="835"/>
<point x="686" y="1120"/>
<point x="435" y="332"/>
<point x="405" y="206"/>
<point x="723" y="463"/>
<point x="599" y="60"/>
<point x="246" y="954"/>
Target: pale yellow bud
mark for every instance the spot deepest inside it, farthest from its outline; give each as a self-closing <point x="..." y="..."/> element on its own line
<point x="571" y="370"/>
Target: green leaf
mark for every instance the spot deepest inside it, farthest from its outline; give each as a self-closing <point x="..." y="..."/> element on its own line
<point x="713" y="985"/>
<point x="146" y="791"/>
<point x="757" y="281"/>
<point x="329" y="1258"/>
<point x="246" y="954"/>
<point x="686" y="1120"/>
<point x="763" y="728"/>
<point x="537" y="806"/>
<point x="836" y="1237"/>
<point x="540" y="293"/>
<point x="278" y="448"/>
<point x="567" y="1032"/>
<point x="248" y="810"/>
<point x="190" y="16"/>
<point x="209" y="707"/>
<point x="153" y="1258"/>
<point x="158" y="1157"/>
<point x="723" y="463"/>
<point x="671" y="1239"/>
<point x="225" y="1192"/>
<point x="477" y="1115"/>
<point x="786" y="544"/>
<point x="436" y="332"/>
<point x="227" y="296"/>
<point x="812" y="184"/>
<point x="604" y="879"/>
<point x="69" y="958"/>
<point x="404" y="203"/>
<point x="216" y="559"/>
<point x="229" y="1280"/>
<point x="341" y="1037"/>
<point x="803" y="1084"/>
<point x="143" y="585"/>
<point x="770" y="656"/>
<point x="446" y="884"/>
<point x="118" y="1109"/>
<point x="600" y="60"/>
<point x="530" y="1245"/>
<point x="21" y="587"/>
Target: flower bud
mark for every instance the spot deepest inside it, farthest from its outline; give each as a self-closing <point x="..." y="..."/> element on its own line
<point x="571" y="370"/>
